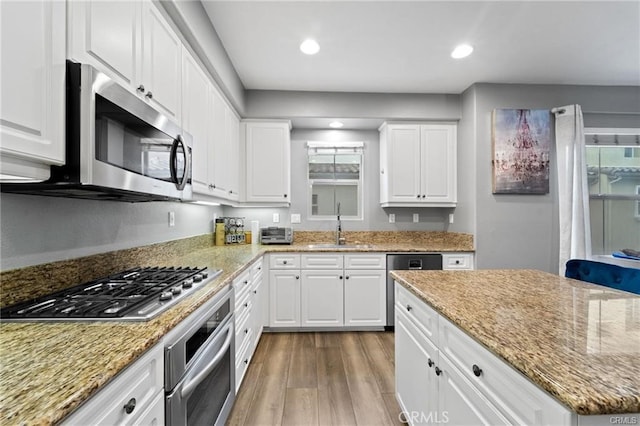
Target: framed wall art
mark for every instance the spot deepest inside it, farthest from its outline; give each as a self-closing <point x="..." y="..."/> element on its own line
<point x="521" y="140"/>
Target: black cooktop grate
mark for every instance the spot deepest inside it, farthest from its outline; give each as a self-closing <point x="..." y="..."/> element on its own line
<point x="114" y="296"/>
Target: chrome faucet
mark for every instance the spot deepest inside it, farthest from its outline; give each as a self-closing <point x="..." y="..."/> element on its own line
<point x="340" y="240"/>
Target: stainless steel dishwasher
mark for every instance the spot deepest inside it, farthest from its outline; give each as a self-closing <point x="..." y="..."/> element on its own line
<point x="404" y="262"/>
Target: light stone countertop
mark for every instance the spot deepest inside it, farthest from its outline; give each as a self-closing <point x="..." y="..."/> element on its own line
<point x="578" y="341"/>
<point x="48" y="369"/>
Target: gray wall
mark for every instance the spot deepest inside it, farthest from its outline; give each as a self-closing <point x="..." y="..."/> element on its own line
<point x="520" y="231"/>
<point x="37" y="230"/>
<point x="292" y="104"/>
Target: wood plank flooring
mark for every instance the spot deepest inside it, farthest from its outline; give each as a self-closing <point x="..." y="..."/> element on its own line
<point x="319" y="378"/>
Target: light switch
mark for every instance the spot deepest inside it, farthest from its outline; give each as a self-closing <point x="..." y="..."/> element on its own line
<point x="392" y="218"/>
<point x="172" y="219"/>
<point x="276" y="218"/>
<point x="295" y="218"/>
<point x="416" y="217"/>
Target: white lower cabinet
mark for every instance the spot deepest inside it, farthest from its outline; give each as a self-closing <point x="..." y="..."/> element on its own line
<point x="442" y="373"/>
<point x="322" y="298"/>
<point x="457" y="261"/>
<point x="248" y="296"/>
<point x="327" y="290"/>
<point x="365" y="298"/>
<point x="135" y="396"/>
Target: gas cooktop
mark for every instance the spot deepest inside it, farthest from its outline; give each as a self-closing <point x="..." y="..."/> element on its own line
<point x="137" y="294"/>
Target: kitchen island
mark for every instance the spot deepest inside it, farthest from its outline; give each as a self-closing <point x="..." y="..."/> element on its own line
<point x="578" y="342"/>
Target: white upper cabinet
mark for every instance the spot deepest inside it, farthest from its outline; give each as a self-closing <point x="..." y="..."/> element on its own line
<point x="215" y="128"/>
<point x="267" y="147"/>
<point x="133" y="43"/>
<point x="232" y="160"/>
<point x="418" y="165"/>
<point x="32" y="78"/>
<point x="196" y="118"/>
<point x="161" y="65"/>
<point x="224" y="152"/>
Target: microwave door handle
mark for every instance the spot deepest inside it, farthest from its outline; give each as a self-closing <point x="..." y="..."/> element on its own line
<point x="189" y="387"/>
<point x="173" y="163"/>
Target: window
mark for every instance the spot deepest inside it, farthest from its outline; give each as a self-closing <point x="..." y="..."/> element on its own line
<point x="335" y="176"/>
<point x="613" y="173"/>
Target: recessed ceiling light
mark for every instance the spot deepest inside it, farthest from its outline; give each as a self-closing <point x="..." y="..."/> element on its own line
<point x="461" y="51"/>
<point x="336" y="124"/>
<point x="310" y="47"/>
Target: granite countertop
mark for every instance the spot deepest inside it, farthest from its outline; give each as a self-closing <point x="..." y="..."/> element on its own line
<point x="47" y="370"/>
<point x="578" y="341"/>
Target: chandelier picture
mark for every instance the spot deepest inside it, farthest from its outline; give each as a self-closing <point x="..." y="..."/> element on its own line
<point x="521" y="144"/>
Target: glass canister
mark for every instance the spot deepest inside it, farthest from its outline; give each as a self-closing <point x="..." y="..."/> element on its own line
<point x="220" y="233"/>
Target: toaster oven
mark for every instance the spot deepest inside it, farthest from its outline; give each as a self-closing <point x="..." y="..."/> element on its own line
<point x="276" y="235"/>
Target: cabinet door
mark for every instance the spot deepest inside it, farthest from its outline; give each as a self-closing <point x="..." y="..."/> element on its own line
<point x="415" y="361"/>
<point x="196" y="115"/>
<point x="32" y="80"/>
<point x="322" y="298"/>
<point x="162" y="53"/>
<point x="107" y="35"/>
<point x="438" y="159"/>
<point x="461" y="402"/>
<point x="403" y="163"/>
<point x="232" y="136"/>
<point x="284" y="300"/>
<point x="268" y="162"/>
<point x="221" y="147"/>
<point x="365" y="297"/>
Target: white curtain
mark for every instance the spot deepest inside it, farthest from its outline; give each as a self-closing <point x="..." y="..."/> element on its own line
<point x="573" y="190"/>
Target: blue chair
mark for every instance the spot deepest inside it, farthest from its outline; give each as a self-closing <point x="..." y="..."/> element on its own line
<point x="613" y="276"/>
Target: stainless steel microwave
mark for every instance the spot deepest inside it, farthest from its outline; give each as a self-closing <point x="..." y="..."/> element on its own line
<point x="118" y="147"/>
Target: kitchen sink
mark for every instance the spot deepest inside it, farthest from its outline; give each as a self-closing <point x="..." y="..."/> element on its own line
<point x="340" y="246"/>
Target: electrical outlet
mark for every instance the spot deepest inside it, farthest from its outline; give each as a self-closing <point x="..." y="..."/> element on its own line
<point x="392" y="218"/>
<point x="172" y="219"/>
<point x="450" y="217"/>
<point x="295" y="218"/>
<point x="416" y="218"/>
<point x="276" y="218"/>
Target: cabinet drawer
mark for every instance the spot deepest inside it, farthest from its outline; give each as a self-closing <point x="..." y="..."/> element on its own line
<point x="242" y="359"/>
<point x="284" y="261"/>
<point x="424" y="317"/>
<point x="322" y="261"/>
<point x="241" y="285"/>
<point x="256" y="269"/>
<point x="457" y="261"/>
<point x="243" y="329"/>
<point x="243" y="304"/>
<point x="142" y="380"/>
<point x="520" y="400"/>
<point x="365" y="261"/>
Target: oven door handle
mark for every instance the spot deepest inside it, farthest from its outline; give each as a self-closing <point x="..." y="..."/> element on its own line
<point x="189" y="387"/>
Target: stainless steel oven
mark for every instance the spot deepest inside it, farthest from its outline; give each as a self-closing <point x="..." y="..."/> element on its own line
<point x="199" y="366"/>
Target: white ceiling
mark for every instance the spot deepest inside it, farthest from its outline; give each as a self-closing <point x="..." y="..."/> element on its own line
<point x="404" y="46"/>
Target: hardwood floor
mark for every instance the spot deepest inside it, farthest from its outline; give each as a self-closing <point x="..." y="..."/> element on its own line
<point x="319" y="378"/>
